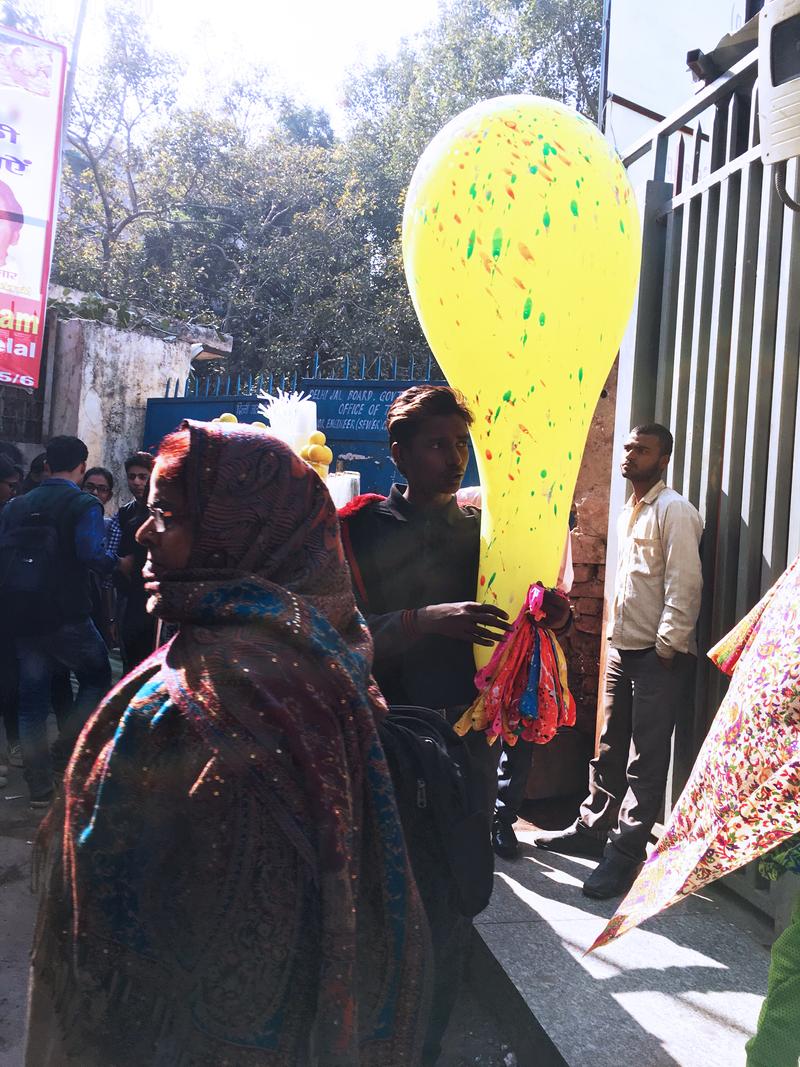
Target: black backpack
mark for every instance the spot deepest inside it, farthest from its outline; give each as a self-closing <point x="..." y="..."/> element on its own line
<point x="31" y="563"/>
<point x="441" y="804"/>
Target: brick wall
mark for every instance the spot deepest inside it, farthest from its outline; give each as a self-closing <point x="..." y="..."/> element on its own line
<point x="559" y="768"/>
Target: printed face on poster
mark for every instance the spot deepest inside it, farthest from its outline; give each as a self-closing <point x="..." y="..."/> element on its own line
<point x="31" y="100"/>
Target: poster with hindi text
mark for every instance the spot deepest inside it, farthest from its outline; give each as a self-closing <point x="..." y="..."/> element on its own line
<point x="31" y="105"/>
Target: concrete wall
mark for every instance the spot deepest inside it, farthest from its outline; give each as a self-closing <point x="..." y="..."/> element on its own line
<point x="102" y="378"/>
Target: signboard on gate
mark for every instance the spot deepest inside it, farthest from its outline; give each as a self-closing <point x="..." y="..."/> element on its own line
<point x="31" y="103"/>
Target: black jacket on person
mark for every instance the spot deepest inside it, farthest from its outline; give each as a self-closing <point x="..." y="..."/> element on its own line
<point x="403" y="558"/>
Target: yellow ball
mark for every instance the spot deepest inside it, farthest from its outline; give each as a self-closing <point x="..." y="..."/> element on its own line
<point x="320" y="454"/>
<point x="305" y="452"/>
<point x="317" y="438"/>
<point x="260" y="425"/>
<point x="228" y="416"/>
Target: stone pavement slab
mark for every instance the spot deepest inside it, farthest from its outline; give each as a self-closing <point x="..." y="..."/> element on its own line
<point x="685" y="991"/>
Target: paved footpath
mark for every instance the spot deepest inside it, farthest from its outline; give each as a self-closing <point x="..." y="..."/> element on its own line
<point x="685" y="991"/>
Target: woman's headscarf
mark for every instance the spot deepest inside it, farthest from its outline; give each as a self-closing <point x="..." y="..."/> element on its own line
<point x="743" y="796"/>
<point x="271" y="669"/>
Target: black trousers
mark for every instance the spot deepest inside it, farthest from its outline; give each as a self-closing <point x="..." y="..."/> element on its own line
<point x="628" y="777"/>
<point x="512" y="778"/>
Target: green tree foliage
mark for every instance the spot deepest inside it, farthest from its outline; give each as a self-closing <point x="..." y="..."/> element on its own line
<point x="254" y="217"/>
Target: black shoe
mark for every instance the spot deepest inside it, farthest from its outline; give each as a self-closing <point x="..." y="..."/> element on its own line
<point x="612" y="877"/>
<point x="572" y="842"/>
<point x="43" y="801"/>
<point x="504" y="840"/>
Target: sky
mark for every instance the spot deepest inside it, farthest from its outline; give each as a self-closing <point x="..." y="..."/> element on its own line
<point x="307" y="45"/>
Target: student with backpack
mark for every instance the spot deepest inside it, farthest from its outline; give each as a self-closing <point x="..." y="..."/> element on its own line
<point x="50" y="539"/>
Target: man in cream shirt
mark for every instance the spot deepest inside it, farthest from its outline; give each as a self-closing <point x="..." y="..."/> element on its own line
<point x="649" y="668"/>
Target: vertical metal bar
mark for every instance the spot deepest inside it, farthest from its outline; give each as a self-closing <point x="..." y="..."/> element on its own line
<point x="271" y="384"/>
<point x="705" y="318"/>
<point x="379" y="373"/>
<point x="784" y="407"/>
<point x="660" y="164"/>
<point x="394" y="368"/>
<point x="363" y="367"/>
<point x="294" y="381"/>
<point x="669" y="315"/>
<point x="760" y="398"/>
<point x="347" y="366"/>
<point x="428" y="366"/>
<point x="315" y="373"/>
<point x="411" y="369"/>
<point x="686" y="296"/>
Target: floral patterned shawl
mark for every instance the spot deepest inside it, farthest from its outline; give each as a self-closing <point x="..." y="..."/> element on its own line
<point x="743" y="797"/>
<point x="232" y="886"/>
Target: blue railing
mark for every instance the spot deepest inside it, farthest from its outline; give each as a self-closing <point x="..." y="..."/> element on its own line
<point x="348" y="369"/>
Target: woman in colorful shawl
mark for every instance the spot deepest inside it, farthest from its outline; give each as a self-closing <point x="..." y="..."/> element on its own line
<point x="742" y="801"/>
<point x="228" y="883"/>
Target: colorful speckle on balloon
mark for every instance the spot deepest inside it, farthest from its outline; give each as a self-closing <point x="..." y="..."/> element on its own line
<point x="473" y="191"/>
<point x="542" y="474"/>
<point x="580" y="374"/>
<point x="488" y="454"/>
<point x="621" y="226"/>
<point x="574" y="208"/>
<point x="527" y="308"/>
<point x="471" y="245"/>
<point x="533" y="170"/>
<point x="491" y="581"/>
<point x="548" y="150"/>
<point x="497" y="243"/>
<point x="542" y="319"/>
<point x="507" y="395"/>
<point x="483" y="579"/>
<point x="546" y="219"/>
<point x="497" y="414"/>
<point x="525" y="252"/>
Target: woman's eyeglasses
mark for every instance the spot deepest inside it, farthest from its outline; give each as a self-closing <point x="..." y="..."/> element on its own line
<point x="162" y="518"/>
<point x="96" y="488"/>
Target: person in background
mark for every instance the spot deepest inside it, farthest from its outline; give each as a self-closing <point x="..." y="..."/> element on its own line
<point x="649" y="669"/>
<point x="13" y="453"/>
<point x="99" y="481"/>
<point x="10" y="480"/>
<point x="230" y="883"/>
<point x="35" y="474"/>
<point x="9" y="487"/>
<point x="50" y="603"/>
<point x="136" y="628"/>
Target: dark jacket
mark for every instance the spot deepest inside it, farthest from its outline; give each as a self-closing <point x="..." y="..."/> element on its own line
<point x="131" y="516"/>
<point x="402" y="558"/>
<point x="77" y="517"/>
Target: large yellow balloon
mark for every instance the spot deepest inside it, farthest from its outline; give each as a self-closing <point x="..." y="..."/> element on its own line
<point x="521" y="243"/>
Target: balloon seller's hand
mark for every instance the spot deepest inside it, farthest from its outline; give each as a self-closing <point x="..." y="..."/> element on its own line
<point x="475" y="623"/>
<point x="556" y="609"/>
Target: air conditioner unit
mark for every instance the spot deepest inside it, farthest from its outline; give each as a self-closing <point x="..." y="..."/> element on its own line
<point x="779" y="80"/>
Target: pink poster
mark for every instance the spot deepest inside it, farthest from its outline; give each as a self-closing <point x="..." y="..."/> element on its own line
<point x="31" y="102"/>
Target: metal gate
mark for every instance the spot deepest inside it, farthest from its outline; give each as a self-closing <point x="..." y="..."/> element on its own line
<point x="713" y="353"/>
